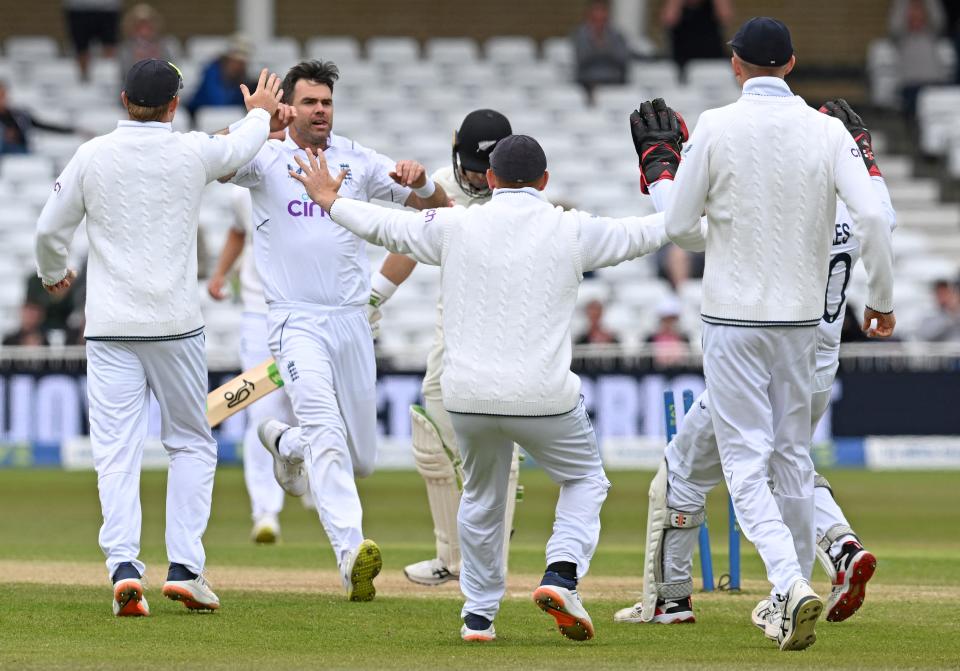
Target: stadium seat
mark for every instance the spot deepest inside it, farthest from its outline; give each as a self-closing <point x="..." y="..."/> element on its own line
<point x="26" y="167"/>
<point x="280" y="53"/>
<point x="655" y="75"/>
<point x="455" y="51"/>
<point x="559" y="51"/>
<point x="99" y="121"/>
<point x="212" y="119"/>
<point x="31" y="48"/>
<point x="511" y="50"/>
<point x="55" y="73"/>
<point x="202" y="49"/>
<point x="939" y="111"/>
<point x="393" y="50"/>
<point x="341" y="49"/>
<point x="106" y="73"/>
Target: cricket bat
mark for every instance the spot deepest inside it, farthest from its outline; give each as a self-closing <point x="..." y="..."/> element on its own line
<point x="249" y="386"/>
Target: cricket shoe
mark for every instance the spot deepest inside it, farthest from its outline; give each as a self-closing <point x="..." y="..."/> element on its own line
<point x="667" y="611"/>
<point x="128" y="599"/>
<point x="477" y="628"/>
<point x="431" y="572"/>
<point x="854" y="568"/>
<point x="361" y="567"/>
<point x="266" y="530"/>
<point x="761" y="613"/>
<point x="792" y="620"/>
<point x="192" y="590"/>
<point x="563" y="603"/>
<point x="289" y="473"/>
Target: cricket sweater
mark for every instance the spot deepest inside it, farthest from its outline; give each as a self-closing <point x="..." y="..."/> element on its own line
<point x="767" y="170"/>
<point x="511" y="269"/>
<point x="139" y="188"/>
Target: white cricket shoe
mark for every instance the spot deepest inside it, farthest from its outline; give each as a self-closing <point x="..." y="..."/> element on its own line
<point x="761" y="613"/>
<point x="128" y="599"/>
<point x="668" y="611"/>
<point x="195" y="594"/>
<point x="289" y="473"/>
<point x="480" y="636"/>
<point x="431" y="572"/>
<point x="359" y="570"/>
<point x="566" y="608"/>
<point x="792" y="620"/>
<point x="266" y="529"/>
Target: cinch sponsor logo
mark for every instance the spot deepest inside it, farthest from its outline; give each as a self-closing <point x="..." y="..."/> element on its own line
<point x="305" y="208"/>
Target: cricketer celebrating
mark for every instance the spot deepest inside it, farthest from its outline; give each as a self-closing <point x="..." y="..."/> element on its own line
<point x="139" y="188"/>
<point x="767" y="170"/>
<point x="506" y="375"/>
<point x="435" y="449"/>
<point x="316" y="282"/>
<point x="691" y="466"/>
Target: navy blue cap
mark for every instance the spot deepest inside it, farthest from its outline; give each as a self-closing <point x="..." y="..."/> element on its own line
<point x="152" y="82"/>
<point x="763" y="41"/>
<point x="518" y="158"/>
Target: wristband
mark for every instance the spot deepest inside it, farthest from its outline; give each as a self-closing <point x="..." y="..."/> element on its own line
<point x="381" y="289"/>
<point x="424" y="191"/>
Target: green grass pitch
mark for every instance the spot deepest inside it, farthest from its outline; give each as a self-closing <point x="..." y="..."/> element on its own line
<point x="281" y="608"/>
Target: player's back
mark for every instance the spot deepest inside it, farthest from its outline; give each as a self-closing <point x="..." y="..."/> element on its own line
<point x="510" y="277"/>
<point x="141" y="187"/>
<point x="771" y="205"/>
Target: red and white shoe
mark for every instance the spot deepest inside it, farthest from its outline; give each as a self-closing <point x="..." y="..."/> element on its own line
<point x="566" y="608"/>
<point x="128" y="599"/>
<point x="668" y="611"/>
<point x="854" y="568"/>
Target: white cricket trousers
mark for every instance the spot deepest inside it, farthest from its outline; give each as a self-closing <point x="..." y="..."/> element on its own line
<point x="565" y="446"/>
<point x="760" y="382"/>
<point x="120" y="377"/>
<point x="693" y="469"/>
<point x="266" y="496"/>
<point x="326" y="359"/>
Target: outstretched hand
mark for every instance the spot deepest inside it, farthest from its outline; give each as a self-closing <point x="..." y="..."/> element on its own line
<point x="841" y="109"/>
<point x="267" y="94"/>
<point x="658" y="133"/>
<point x="316" y="179"/>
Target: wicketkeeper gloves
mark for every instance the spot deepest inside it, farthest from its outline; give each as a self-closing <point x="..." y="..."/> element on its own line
<point x="840" y="109"/>
<point x="658" y="133"/>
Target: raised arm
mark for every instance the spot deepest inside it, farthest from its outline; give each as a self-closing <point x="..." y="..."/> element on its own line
<point x="224" y="154"/>
<point x="689" y="197"/>
<point x="419" y="234"/>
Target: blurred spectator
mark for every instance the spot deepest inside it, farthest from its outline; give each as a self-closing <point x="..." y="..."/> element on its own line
<point x="596" y="333"/>
<point x="16" y="124"/>
<point x="90" y="21"/>
<point x="142" y="37"/>
<point x="696" y="28"/>
<point x="676" y="265"/>
<point x="916" y="27"/>
<point x="943" y="325"/>
<point x="670" y="346"/>
<point x="221" y="79"/>
<point x="30" y="331"/>
<point x="601" y="50"/>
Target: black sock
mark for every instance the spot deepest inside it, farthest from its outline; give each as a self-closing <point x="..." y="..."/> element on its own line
<point x="565" y="569"/>
<point x="180" y="572"/>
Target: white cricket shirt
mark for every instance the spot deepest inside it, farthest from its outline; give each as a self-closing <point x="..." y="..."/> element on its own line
<point x="300" y="254"/>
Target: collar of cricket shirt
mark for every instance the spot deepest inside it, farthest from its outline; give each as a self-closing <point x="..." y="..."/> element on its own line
<point x="767" y="86"/>
<point x="529" y="190"/>
<point x="130" y="123"/>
